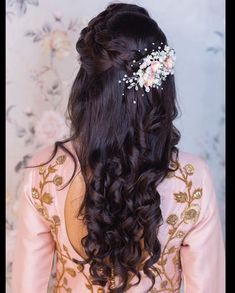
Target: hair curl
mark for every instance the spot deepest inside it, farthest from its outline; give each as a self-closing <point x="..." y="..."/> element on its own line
<point x="124" y="149"/>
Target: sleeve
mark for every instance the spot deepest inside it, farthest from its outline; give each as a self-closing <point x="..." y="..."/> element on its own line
<point x="202" y="252"/>
<point x="34" y="250"/>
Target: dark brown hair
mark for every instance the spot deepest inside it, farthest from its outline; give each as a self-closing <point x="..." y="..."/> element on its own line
<point x="124" y="149"/>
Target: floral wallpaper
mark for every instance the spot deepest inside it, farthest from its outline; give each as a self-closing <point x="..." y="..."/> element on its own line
<point x="42" y="64"/>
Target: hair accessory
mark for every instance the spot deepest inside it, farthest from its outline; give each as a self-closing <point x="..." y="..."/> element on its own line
<point x="154" y="69"/>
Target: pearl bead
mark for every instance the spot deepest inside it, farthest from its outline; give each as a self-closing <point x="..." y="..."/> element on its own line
<point x="147" y="89"/>
<point x="134" y="102"/>
<point x="145" y="49"/>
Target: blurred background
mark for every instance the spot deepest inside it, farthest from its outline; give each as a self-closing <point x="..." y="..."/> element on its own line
<point x="42" y="64"/>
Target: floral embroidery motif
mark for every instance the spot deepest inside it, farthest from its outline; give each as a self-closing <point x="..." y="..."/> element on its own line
<point x="189" y="169"/>
<point x="60" y="160"/>
<point x="189" y="216"/>
<point x="41" y="200"/>
<point x="172" y="219"/>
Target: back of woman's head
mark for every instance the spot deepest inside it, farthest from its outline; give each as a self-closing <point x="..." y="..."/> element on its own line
<point x="124" y="148"/>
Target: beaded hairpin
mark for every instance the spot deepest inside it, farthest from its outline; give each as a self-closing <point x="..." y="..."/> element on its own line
<point x="154" y="69"/>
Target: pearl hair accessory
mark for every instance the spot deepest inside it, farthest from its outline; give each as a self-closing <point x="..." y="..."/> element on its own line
<point x="154" y="69"/>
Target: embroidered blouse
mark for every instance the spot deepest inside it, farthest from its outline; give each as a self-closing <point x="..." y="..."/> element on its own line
<point x="192" y="248"/>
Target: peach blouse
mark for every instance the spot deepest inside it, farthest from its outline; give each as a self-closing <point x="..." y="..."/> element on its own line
<point x="190" y="236"/>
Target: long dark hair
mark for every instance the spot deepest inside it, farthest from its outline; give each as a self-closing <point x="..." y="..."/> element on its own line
<point x="124" y="149"/>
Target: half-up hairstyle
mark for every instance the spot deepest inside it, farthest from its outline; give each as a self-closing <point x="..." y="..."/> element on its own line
<point x="124" y="149"/>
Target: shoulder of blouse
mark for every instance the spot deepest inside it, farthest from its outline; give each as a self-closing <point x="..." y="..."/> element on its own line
<point x="43" y="155"/>
<point x="193" y="183"/>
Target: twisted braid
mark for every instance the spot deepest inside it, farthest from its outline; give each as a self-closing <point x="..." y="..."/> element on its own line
<point x="97" y="43"/>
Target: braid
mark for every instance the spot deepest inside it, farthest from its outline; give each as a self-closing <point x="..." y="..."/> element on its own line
<point x="96" y="40"/>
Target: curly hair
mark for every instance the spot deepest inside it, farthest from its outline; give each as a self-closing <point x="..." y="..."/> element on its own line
<point x="124" y="149"/>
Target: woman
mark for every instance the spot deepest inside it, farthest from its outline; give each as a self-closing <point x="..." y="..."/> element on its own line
<point x="121" y="208"/>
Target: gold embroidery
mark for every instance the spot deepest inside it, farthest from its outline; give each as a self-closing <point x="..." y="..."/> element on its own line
<point x="189" y="216"/>
<point x="180" y="234"/>
<point x="35" y="193"/>
<point x="181" y="197"/>
<point x="189" y="169"/>
<point x="172" y="219"/>
<point x="61" y="159"/>
<point x="197" y="193"/>
<point x="47" y="198"/>
<point x="58" y="180"/>
<point x="41" y="199"/>
<point x="41" y="170"/>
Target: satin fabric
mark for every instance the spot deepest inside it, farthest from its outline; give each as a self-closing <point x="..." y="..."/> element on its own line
<point x="190" y="235"/>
